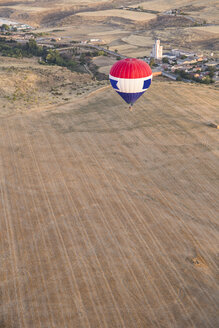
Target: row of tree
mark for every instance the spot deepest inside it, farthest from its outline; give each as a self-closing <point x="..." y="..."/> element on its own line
<point x="30" y="49"/>
<point x="11" y="48"/>
<point x="185" y="75"/>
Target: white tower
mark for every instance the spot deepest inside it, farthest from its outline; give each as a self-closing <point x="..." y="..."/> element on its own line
<point x="157" y="50"/>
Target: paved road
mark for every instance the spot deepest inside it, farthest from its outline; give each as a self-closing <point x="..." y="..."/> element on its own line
<point x="81" y="45"/>
<point x="96" y="47"/>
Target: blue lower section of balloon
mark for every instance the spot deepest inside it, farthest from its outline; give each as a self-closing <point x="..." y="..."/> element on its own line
<point x="130" y="98"/>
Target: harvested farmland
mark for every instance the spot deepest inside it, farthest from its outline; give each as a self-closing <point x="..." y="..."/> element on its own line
<point x="130" y="15"/>
<point x="109" y="218"/>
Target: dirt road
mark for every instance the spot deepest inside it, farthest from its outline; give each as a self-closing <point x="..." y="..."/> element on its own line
<point x="109" y="218"/>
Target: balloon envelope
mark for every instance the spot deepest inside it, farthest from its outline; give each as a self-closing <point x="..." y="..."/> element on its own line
<point x="130" y="78"/>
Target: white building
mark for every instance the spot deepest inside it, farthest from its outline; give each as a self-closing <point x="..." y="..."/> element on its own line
<point x="157" y="50"/>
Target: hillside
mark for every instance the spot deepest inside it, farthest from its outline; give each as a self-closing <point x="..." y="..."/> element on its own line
<point x="109" y="218"/>
<point x="25" y="85"/>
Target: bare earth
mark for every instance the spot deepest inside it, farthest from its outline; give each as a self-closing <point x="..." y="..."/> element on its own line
<point x="109" y="218"/>
<point x="25" y="85"/>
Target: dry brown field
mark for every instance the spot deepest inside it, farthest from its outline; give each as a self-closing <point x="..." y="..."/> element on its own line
<point x="210" y="29"/>
<point x="109" y="217"/>
<point x="196" y="8"/>
<point x="26" y="85"/>
<point x="130" y="15"/>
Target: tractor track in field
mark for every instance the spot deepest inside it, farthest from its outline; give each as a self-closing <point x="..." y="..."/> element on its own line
<point x="103" y="226"/>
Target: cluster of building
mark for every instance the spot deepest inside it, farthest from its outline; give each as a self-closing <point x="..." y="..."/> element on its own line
<point x="198" y="70"/>
<point x="8" y="25"/>
<point x="193" y="65"/>
<point x="174" y="55"/>
<point x="93" y="41"/>
<point x="173" y="12"/>
<point x="25" y="37"/>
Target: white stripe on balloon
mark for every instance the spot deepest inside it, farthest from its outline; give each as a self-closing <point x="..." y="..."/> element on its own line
<point x="130" y="85"/>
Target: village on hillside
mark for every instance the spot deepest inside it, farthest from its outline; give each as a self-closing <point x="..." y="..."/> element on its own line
<point x="176" y="64"/>
<point x="181" y="65"/>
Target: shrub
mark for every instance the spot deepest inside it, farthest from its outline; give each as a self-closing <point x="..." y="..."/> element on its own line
<point x="165" y="60"/>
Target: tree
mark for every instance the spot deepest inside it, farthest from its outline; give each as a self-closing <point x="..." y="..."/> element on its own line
<point x="165" y="60"/>
<point x="152" y="62"/>
<point x="82" y="59"/>
<point x="207" y="80"/>
<point x="53" y="57"/>
<point x="101" y="53"/>
<point x="5" y="27"/>
<point x="212" y="70"/>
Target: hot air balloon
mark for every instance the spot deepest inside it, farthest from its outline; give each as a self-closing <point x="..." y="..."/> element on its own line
<point x="130" y="78"/>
